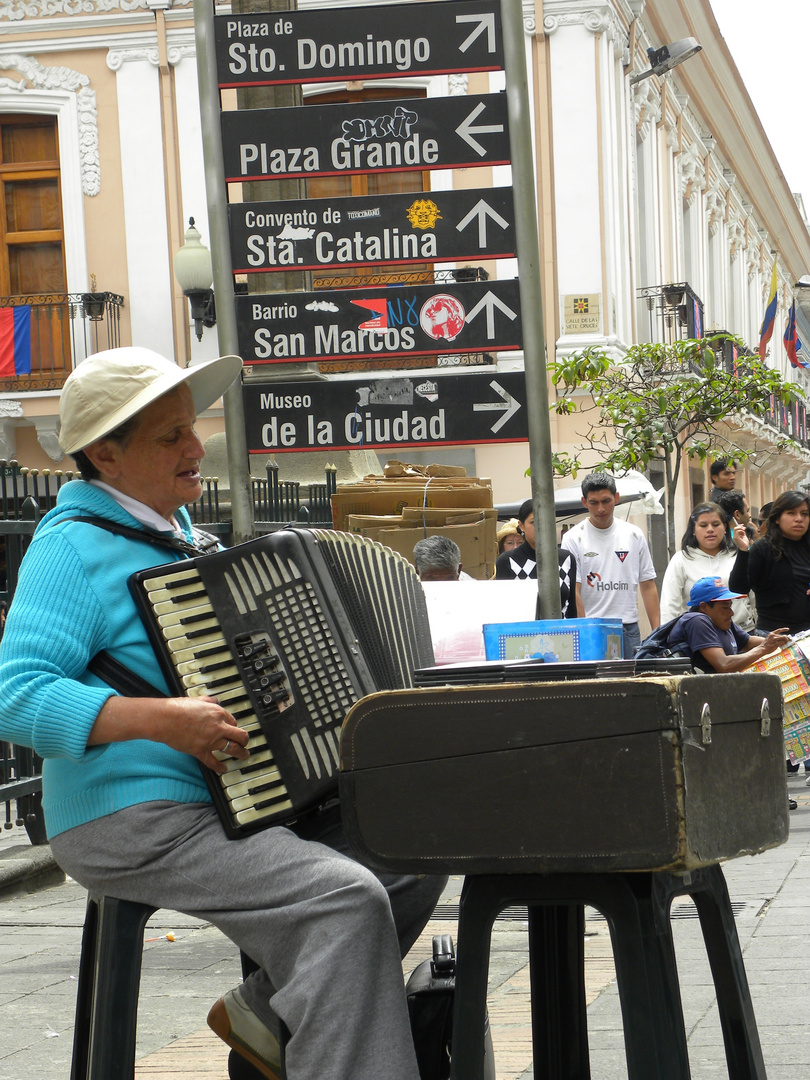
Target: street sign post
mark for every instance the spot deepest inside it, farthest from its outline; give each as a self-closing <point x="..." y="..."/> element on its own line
<point x="427" y="227"/>
<point x="398" y="320"/>
<point x="358" y="43"/>
<point x="365" y="137"/>
<point x="385" y="414"/>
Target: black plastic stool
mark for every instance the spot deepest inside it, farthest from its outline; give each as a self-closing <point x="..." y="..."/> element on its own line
<point x="637" y="910"/>
<point x="109" y="984"/>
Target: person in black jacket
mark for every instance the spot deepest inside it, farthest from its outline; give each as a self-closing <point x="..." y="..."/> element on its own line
<point x="521" y="562"/>
<point x="777" y="567"/>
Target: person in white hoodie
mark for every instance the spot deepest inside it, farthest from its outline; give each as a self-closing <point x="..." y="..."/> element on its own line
<point x="707" y="550"/>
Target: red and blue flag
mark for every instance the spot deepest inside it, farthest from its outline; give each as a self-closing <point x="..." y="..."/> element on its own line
<point x="15" y="341"/>
<point x="770" y="316"/>
<point x="792" y="342"/>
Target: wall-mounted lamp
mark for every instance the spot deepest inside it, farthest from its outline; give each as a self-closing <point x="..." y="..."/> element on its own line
<point x="667" y="57"/>
<point x="194" y="273"/>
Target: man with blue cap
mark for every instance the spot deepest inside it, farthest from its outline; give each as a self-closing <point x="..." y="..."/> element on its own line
<point x="715" y="641"/>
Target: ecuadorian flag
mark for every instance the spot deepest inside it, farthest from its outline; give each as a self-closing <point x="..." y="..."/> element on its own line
<point x="770" y="315"/>
<point x="15" y="341"/>
<point x="792" y="341"/>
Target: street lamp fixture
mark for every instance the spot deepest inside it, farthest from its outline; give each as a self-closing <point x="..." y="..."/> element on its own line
<point x="667" y="57"/>
<point x="194" y="273"/>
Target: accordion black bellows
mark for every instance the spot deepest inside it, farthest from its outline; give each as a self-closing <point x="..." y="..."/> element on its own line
<point x="287" y="631"/>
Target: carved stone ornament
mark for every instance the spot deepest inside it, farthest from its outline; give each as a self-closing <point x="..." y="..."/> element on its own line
<point x="646" y="107"/>
<point x="529" y="17"/>
<point x="48" y="436"/>
<point x="10" y="408"/>
<point x="736" y="237"/>
<point x="598" y="16"/>
<point x="16" y="10"/>
<point x="8" y="439"/>
<point x="691" y="171"/>
<point x="117" y="57"/>
<point x="458" y="83"/>
<point x="38" y="77"/>
<point x="715" y="208"/>
<point x="752" y="261"/>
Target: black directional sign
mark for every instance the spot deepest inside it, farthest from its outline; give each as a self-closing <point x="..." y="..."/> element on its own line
<point x="439" y="226"/>
<point x="358" y="43"/>
<point x="365" y="137"/>
<point x="399" y="320"/>
<point x="389" y="413"/>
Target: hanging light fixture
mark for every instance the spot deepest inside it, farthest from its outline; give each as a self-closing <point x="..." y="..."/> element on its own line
<point x="667" y="57"/>
<point x="194" y="273"/>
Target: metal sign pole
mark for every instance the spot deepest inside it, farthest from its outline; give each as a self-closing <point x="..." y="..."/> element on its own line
<point x="217" y="194"/>
<point x="531" y="299"/>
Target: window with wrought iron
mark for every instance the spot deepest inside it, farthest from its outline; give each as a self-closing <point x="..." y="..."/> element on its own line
<point x="33" y="301"/>
<point x="32" y="249"/>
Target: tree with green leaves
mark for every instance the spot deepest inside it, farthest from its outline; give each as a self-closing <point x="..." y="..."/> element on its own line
<point x="660" y="401"/>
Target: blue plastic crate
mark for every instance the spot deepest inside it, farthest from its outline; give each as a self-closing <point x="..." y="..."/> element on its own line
<point x="555" y="640"/>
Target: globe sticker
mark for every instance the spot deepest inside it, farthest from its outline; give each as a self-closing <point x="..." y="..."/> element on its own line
<point x="442" y="317"/>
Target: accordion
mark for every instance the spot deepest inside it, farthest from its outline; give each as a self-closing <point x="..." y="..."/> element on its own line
<point x="287" y="631"/>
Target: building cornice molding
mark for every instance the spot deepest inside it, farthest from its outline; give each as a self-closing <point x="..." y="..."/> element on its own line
<point x="38" y="77"/>
<point x="19" y="10"/>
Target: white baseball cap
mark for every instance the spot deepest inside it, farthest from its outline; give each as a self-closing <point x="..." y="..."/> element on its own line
<point x="110" y="387"/>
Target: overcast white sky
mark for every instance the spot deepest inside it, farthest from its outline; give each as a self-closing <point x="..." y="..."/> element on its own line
<point x="767" y="39"/>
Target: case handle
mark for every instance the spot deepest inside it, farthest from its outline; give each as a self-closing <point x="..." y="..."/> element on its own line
<point x="706" y="724"/>
<point x="765" y="718"/>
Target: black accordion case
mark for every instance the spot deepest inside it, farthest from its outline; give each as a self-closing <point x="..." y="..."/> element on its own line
<point x="287" y="631"/>
<point x="657" y="772"/>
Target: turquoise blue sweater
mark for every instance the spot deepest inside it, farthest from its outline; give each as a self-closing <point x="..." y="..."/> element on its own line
<point x="71" y="601"/>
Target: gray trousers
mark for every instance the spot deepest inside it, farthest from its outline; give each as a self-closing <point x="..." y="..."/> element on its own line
<point x="328" y="935"/>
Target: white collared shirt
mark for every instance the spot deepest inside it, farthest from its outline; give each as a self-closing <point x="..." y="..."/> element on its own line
<point x="140" y="511"/>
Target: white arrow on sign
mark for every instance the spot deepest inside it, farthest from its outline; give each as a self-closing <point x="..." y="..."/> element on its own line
<point x="466" y="130"/>
<point x="485" y="22"/>
<point x="488" y="302"/>
<point x="482" y="210"/>
<point x="509" y="406"/>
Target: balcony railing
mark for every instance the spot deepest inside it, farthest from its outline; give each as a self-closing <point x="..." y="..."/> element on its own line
<point x="674" y="312"/>
<point x="65" y="328"/>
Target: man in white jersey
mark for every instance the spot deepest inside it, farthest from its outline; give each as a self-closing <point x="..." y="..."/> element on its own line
<point x="613" y="563"/>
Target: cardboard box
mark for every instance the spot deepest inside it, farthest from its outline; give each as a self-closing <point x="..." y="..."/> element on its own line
<point x="389" y="497"/>
<point x="476" y="543"/>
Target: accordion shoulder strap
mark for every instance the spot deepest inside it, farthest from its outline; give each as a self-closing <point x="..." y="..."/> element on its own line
<point x="121" y="678"/>
<point x="204" y="542"/>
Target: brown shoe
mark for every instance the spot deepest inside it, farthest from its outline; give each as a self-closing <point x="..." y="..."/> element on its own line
<point x="243" y="1031"/>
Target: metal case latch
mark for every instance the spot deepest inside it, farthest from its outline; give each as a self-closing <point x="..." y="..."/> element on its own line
<point x="765" y="718"/>
<point x="706" y="724"/>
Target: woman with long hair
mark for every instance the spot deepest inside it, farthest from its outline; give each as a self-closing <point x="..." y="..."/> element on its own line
<point x="707" y="550"/>
<point x="777" y="567"/>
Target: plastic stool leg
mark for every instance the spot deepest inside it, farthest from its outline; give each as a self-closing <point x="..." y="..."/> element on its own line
<point x="740" y="1034"/>
<point x="107" y="1010"/>
<point x="84" y="993"/>
<point x="481" y="900"/>
<point x="558" y="1009"/>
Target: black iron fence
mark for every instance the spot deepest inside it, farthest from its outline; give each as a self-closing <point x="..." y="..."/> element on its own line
<point x="64" y="328"/>
<point x="674" y="312"/>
